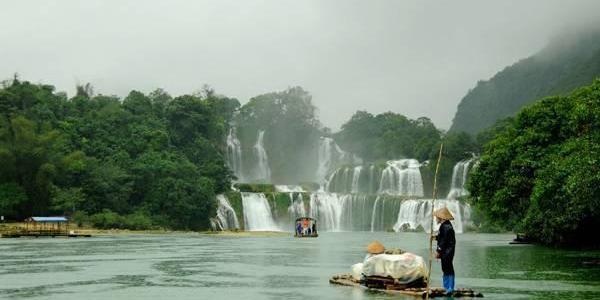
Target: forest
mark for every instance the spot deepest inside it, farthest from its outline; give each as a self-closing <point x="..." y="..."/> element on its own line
<point x="138" y="162"/>
<point x="566" y="63"/>
<point x="539" y="174"/>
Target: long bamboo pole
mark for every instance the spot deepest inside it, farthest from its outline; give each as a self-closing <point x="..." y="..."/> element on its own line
<point x="437" y="167"/>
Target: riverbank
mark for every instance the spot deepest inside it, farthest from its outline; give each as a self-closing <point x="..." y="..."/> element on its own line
<point x="84" y="230"/>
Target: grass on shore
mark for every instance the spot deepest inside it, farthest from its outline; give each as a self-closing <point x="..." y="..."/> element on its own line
<point x="21" y="226"/>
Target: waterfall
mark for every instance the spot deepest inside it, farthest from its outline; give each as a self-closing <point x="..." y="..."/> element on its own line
<point x="262" y="171"/>
<point x="342" y="212"/>
<point x="226" y="218"/>
<point x="374" y="215"/>
<point x="328" y="155"/>
<point x="371" y="179"/>
<point x="459" y="179"/>
<point x="234" y="153"/>
<point x="402" y="177"/>
<point x="327" y="208"/>
<point x="296" y="208"/>
<point x="257" y="213"/>
<point x="288" y="188"/>
<point x="355" y="178"/>
<point x="416" y="214"/>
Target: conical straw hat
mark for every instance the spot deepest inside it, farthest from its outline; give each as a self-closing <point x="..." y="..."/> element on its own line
<point x="375" y="247"/>
<point x="443" y="213"/>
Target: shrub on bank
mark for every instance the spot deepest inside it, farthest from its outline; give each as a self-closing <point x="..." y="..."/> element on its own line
<point x="255" y="187"/>
<point x="108" y="219"/>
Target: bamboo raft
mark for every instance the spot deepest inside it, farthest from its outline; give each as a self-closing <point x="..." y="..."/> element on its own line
<point x="387" y="285"/>
<point x="314" y="235"/>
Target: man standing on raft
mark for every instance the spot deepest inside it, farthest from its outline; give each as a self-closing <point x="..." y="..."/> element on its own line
<point x="445" y="246"/>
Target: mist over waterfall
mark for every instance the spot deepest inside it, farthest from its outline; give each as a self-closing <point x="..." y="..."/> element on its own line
<point x="234" y="154"/>
<point x="226" y="218"/>
<point x="416" y="214"/>
<point x="459" y="178"/>
<point x="329" y="154"/>
<point x="262" y="172"/>
<point x="257" y="213"/>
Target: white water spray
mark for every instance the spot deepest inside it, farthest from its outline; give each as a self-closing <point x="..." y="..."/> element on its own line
<point x="416" y="214"/>
<point x="226" y="215"/>
<point x="257" y="213"/>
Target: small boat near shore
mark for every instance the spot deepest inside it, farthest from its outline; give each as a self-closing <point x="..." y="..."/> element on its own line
<point x="387" y="285"/>
<point x="521" y="239"/>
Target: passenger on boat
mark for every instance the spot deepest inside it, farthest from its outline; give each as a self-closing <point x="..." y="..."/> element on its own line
<point x="299" y="229"/>
<point x="314" y="228"/>
<point x="445" y="246"/>
<point x="305" y="224"/>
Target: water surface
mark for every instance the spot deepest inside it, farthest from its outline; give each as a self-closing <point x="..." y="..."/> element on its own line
<point x="184" y="266"/>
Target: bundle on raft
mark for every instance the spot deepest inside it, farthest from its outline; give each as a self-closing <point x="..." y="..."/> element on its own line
<point x="394" y="271"/>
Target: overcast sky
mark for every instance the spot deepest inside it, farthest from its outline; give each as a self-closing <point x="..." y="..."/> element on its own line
<point x="417" y="58"/>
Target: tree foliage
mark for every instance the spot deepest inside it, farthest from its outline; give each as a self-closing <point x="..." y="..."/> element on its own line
<point x="541" y="172"/>
<point x="143" y="161"/>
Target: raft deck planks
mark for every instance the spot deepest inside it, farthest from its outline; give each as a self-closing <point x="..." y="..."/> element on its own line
<point x="346" y="280"/>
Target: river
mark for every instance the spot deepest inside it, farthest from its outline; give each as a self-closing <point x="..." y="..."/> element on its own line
<point x="202" y="266"/>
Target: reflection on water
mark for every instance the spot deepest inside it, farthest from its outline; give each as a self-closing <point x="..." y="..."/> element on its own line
<point x="219" y="267"/>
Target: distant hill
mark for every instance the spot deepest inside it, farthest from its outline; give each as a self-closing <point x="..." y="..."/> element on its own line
<point x="565" y="64"/>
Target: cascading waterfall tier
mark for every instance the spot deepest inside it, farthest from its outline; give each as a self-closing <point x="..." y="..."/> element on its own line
<point x="234" y="154"/>
<point x="399" y="177"/>
<point x="226" y="218"/>
<point x="262" y="171"/>
<point x="257" y="213"/>
<point x="346" y="212"/>
<point x="416" y="214"/>
<point x="351" y="212"/>
<point x="402" y="177"/>
<point x="459" y="178"/>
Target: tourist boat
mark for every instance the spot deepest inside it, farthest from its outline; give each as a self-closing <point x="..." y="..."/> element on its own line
<point x="305" y="227"/>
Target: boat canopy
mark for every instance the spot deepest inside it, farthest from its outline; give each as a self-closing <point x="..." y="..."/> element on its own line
<point x="306" y="218"/>
<point x="48" y="219"/>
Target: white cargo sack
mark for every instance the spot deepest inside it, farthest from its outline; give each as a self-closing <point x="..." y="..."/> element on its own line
<point x="405" y="268"/>
<point x="357" y="270"/>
